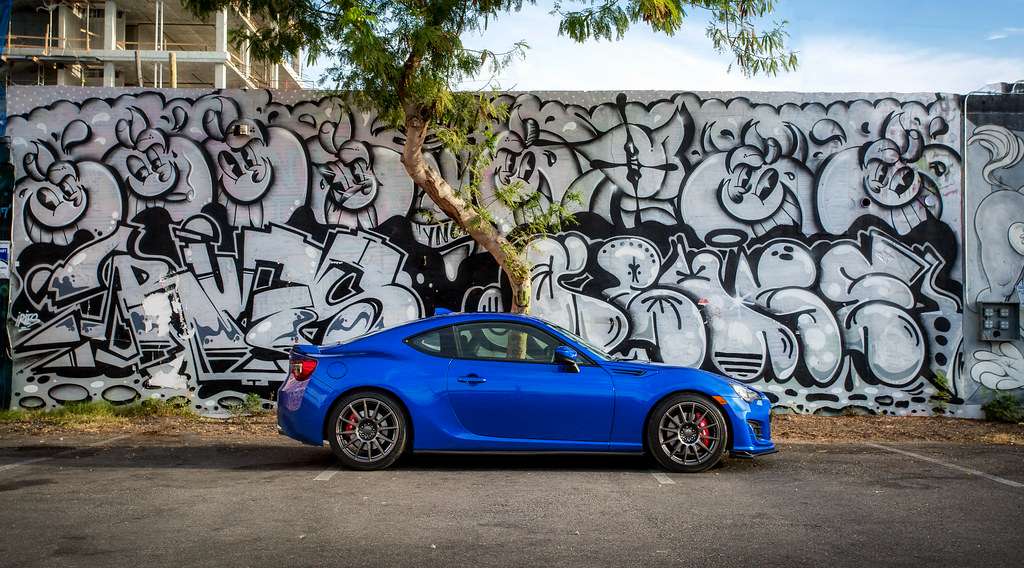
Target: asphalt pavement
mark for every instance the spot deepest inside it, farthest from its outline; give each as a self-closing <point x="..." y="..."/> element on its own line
<point x="102" y="500"/>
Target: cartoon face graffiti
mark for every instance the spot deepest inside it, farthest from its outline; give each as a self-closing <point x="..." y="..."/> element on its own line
<point x="347" y="178"/>
<point x="245" y="166"/>
<point x="522" y="167"/>
<point x="159" y="169"/>
<point x="263" y="172"/>
<point x="898" y="178"/>
<point x="349" y="182"/>
<point x="631" y="155"/>
<point x="757" y="186"/>
<point x="888" y="179"/>
<point x="58" y="197"/>
<point x="636" y="157"/>
<point x="521" y="159"/>
<point x="152" y="168"/>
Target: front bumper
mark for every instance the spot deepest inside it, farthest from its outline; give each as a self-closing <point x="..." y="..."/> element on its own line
<point x="742" y="454"/>
<point x="751" y="427"/>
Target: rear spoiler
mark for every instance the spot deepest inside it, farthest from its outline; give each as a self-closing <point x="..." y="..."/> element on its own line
<point x="305" y="349"/>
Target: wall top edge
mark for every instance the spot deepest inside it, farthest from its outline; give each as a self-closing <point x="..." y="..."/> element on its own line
<point x="24" y="98"/>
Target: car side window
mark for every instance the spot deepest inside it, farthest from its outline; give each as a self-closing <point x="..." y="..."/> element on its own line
<point x="434" y="342"/>
<point x="498" y="341"/>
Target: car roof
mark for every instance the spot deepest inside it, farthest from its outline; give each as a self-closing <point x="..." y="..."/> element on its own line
<point x="449" y="318"/>
<point x="462" y="317"/>
<point x="411" y="328"/>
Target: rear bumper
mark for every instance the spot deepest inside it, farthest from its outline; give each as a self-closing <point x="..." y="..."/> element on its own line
<point x="288" y="424"/>
<point x="298" y="415"/>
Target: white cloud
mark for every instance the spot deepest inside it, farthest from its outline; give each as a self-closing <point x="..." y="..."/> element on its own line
<point x="644" y="60"/>
<point x="861" y="64"/>
<point x="1004" y="33"/>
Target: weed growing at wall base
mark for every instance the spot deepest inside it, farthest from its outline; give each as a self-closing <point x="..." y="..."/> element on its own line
<point x="99" y="413"/>
<point x="252" y="404"/>
<point x="1004" y="408"/>
<point x="942" y="396"/>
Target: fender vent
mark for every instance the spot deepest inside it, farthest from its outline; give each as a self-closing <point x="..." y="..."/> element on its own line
<point x="633" y="372"/>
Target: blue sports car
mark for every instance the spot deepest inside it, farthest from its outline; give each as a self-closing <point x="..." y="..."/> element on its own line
<point x="488" y="382"/>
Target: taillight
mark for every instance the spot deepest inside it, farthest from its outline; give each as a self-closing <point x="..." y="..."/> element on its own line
<point x="302" y="368"/>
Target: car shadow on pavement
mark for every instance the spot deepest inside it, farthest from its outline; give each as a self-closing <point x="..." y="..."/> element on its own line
<point x="286" y="456"/>
<point x="525" y="461"/>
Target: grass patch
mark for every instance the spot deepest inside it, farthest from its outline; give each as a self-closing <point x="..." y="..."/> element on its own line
<point x="1004" y="408"/>
<point x="100" y="413"/>
<point x="251" y="405"/>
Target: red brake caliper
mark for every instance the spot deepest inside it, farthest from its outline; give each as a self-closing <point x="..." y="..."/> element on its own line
<point x="350" y="426"/>
<point x="705" y="436"/>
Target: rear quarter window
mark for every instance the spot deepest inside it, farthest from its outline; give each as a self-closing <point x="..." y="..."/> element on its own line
<point x="434" y="342"/>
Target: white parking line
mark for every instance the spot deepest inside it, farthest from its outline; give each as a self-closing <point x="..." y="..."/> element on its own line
<point x="662" y="478"/>
<point x="24" y="462"/>
<point x="327" y="474"/>
<point x="959" y="468"/>
<point x="11" y="466"/>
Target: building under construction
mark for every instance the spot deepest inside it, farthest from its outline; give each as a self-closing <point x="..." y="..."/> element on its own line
<point x="131" y="43"/>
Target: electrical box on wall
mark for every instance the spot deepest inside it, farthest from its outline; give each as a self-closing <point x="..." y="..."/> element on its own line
<point x="1000" y="321"/>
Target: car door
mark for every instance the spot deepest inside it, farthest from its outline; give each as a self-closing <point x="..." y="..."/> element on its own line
<point x="500" y="391"/>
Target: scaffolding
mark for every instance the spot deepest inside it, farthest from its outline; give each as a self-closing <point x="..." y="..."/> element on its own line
<point x="133" y="43"/>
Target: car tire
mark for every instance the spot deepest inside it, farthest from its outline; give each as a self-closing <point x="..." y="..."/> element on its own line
<point x="367" y="430"/>
<point x="687" y="433"/>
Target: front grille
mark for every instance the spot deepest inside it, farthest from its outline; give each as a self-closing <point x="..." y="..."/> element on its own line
<point x="756" y="427"/>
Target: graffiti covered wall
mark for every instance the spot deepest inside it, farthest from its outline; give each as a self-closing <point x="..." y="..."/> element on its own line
<point x="994" y="221"/>
<point x="176" y="243"/>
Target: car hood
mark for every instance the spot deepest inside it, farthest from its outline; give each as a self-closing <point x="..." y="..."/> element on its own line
<point x="650" y="368"/>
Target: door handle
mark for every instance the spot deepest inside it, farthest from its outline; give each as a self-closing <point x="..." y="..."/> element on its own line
<point x="472" y="379"/>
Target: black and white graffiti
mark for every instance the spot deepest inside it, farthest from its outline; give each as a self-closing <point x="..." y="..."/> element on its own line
<point x="997" y="200"/>
<point x="171" y="245"/>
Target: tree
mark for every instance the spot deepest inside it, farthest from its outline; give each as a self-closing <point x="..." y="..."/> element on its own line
<point x="405" y="59"/>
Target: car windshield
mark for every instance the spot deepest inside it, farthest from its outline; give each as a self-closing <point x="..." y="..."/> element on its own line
<point x="593" y="348"/>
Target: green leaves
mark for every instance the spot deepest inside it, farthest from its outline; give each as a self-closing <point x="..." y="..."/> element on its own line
<point x="734" y="27"/>
<point x="607" y="20"/>
<point x="664" y="16"/>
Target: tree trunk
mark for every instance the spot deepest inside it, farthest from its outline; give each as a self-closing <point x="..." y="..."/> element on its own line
<point x="482" y="231"/>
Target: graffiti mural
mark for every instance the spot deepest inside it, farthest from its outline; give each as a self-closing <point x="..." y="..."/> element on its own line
<point x="995" y="223"/>
<point x="177" y="243"/>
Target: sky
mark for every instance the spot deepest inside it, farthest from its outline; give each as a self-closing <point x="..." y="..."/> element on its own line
<point x="843" y="46"/>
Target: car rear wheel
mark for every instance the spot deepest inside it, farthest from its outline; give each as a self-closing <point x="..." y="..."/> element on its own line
<point x="687" y="433"/>
<point x="368" y="430"/>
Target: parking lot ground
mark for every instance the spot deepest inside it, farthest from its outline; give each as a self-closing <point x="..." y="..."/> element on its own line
<point x="186" y="500"/>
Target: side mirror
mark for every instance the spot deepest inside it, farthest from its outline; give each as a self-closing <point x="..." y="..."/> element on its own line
<point x="565" y="355"/>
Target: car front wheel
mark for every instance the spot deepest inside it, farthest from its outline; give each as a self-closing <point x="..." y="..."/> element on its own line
<point x="367" y="430"/>
<point x="687" y="433"/>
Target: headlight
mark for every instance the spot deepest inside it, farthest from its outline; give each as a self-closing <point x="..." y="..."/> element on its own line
<point x="747" y="394"/>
